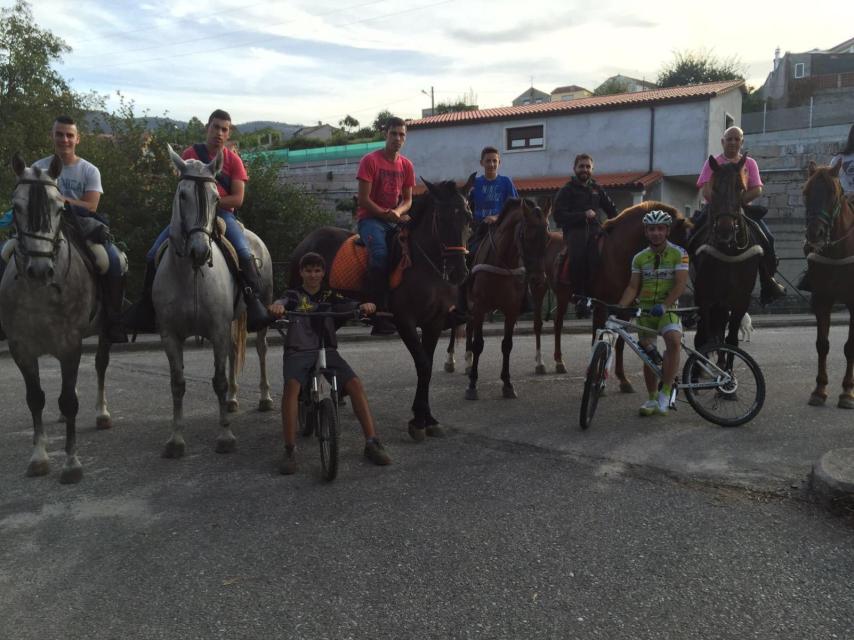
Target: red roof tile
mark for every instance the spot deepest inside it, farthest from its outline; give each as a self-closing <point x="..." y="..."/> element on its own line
<point x="630" y="180"/>
<point x="594" y="103"/>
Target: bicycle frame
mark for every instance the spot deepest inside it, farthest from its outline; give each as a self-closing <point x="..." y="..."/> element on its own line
<point x="615" y="328"/>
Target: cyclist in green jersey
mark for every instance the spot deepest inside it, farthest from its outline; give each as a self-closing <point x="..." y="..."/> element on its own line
<point x="659" y="277"/>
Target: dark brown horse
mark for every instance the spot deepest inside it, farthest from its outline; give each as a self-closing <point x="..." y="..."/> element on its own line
<point x="830" y="271"/>
<point x="510" y="256"/>
<point x="725" y="257"/>
<point x="621" y="239"/>
<point x="428" y="289"/>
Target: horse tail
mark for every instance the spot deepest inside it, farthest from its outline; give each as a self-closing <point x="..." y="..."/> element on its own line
<point x="238" y="338"/>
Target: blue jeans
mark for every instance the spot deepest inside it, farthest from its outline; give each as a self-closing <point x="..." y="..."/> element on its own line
<point x="373" y="232"/>
<point x="233" y="233"/>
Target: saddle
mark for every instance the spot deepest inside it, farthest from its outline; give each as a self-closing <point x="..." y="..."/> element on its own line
<point x="351" y="263"/>
<point x="228" y="250"/>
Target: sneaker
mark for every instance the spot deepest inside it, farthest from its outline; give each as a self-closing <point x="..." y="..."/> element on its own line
<point x="662" y="406"/>
<point x="648" y="408"/>
<point x="288" y="464"/>
<point x="376" y="453"/>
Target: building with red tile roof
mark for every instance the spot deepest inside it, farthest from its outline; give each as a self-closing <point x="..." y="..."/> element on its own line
<point x="645" y="145"/>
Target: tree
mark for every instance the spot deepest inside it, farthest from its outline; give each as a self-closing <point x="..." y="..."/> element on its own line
<point x="381" y="121"/>
<point x="349" y="123"/>
<point x="611" y="86"/>
<point x="697" y="67"/>
<point x="32" y="93"/>
<point x="451" y="107"/>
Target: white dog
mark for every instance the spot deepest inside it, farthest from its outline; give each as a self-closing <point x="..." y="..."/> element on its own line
<point x="746" y="328"/>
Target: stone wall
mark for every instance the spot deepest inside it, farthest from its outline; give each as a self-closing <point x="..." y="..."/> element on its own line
<point x="783" y="157"/>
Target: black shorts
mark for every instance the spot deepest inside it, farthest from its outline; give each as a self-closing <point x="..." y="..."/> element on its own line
<point x="297" y="365"/>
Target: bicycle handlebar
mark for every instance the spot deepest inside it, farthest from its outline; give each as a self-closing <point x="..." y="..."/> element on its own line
<point x="355" y="314"/>
<point x="620" y="309"/>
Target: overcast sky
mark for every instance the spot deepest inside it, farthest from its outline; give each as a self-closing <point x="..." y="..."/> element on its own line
<point x="302" y="61"/>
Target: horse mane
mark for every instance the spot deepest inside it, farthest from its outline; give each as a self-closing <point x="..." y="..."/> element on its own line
<point x="38" y="209"/>
<point x="422" y="203"/>
<point x="640" y="210"/>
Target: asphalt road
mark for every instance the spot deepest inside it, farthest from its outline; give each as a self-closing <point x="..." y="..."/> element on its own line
<point x="517" y="525"/>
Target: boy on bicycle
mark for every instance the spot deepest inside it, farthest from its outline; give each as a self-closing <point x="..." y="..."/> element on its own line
<point x="659" y="277"/>
<point x="300" y="354"/>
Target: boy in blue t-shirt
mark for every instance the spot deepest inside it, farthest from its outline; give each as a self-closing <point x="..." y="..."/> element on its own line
<point x="490" y="191"/>
<point x="487" y="198"/>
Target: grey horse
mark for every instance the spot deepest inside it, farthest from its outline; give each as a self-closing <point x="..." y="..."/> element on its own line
<point x="48" y="304"/>
<point x="195" y="294"/>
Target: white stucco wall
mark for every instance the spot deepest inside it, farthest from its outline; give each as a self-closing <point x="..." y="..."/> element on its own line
<point x="719" y="107"/>
<point x="618" y="140"/>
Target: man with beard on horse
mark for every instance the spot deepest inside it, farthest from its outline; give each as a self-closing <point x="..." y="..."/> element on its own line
<point x="80" y="185"/>
<point x="578" y="211"/>
<point x="770" y="289"/>
<point x="231" y="185"/>
<point x="386" y="179"/>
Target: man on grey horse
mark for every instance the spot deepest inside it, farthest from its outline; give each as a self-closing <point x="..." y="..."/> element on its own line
<point x="80" y="185"/>
<point x="230" y="183"/>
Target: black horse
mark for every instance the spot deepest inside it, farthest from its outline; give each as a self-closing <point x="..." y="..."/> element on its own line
<point x="725" y="256"/>
<point x="436" y="248"/>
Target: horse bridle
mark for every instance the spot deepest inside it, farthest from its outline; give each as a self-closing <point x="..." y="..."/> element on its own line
<point x="201" y="203"/>
<point x="829" y="219"/>
<point x="55" y="239"/>
<point x="447" y="250"/>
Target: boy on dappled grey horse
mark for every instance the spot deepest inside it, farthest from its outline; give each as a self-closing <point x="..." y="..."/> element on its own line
<point x="80" y="185"/>
<point x="230" y="183"/>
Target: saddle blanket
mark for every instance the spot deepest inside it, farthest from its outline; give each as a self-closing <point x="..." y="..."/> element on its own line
<point x="228" y="249"/>
<point x="351" y="264"/>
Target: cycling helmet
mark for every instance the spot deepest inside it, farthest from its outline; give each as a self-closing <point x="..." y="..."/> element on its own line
<point x="656" y="216"/>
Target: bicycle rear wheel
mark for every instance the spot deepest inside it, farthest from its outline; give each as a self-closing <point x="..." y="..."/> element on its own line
<point x="594" y="383"/>
<point x="728" y="404"/>
<point x="327" y="434"/>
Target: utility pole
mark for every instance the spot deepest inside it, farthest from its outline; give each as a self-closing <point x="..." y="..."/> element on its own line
<point x="432" y="101"/>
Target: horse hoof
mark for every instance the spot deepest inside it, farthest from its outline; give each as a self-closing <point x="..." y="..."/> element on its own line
<point x="103" y="422"/>
<point x="232" y="406"/>
<point x="509" y="392"/>
<point x="265" y="405"/>
<point x="540" y="370"/>
<point x="817" y="400"/>
<point x="626" y="387"/>
<point x="471" y="394"/>
<point x="226" y="445"/>
<point x="449" y="367"/>
<point x="435" y="431"/>
<point x="71" y="475"/>
<point x="845" y="402"/>
<point x="417" y="433"/>
<point x="174" y="450"/>
<point x="560" y="367"/>
<point x="38" y="468"/>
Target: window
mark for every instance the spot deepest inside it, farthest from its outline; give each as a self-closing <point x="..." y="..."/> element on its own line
<point x="530" y="137"/>
<point x="728" y="121"/>
<point x="800" y="72"/>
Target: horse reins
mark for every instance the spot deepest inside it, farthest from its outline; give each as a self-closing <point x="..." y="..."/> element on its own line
<point x="446" y="251"/>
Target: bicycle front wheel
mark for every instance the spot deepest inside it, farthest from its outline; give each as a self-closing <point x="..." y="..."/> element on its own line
<point x="594" y="383"/>
<point x="327" y="434"/>
<point x="729" y="403"/>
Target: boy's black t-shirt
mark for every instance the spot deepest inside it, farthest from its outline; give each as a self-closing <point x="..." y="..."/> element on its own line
<point x="304" y="333"/>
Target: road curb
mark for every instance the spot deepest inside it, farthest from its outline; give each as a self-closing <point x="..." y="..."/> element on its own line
<point x="831" y="481"/>
<point x="525" y="328"/>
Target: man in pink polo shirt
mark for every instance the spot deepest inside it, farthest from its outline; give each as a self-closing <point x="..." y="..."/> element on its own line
<point x="386" y="179"/>
<point x="770" y="289"/>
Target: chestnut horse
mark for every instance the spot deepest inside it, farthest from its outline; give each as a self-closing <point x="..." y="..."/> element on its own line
<point x="725" y="257"/>
<point x="622" y="237"/>
<point x="511" y="254"/>
<point x="830" y="271"/>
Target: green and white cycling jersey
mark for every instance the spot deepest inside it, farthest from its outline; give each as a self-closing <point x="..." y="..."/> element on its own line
<point x="658" y="273"/>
